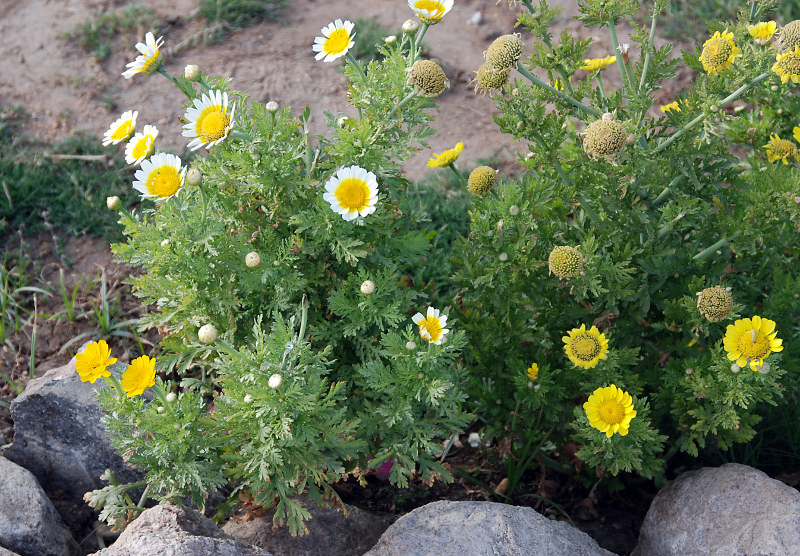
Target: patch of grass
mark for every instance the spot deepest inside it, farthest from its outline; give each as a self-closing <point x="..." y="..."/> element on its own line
<point x="47" y="187"/>
<point x="240" y="13"/>
<point x="687" y="18"/>
<point x="97" y="35"/>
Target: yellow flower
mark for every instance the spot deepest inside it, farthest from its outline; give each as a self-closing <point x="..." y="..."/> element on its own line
<point x="208" y="122"/>
<point x="92" y="363"/>
<point x="762" y="32"/>
<point x="787" y="65"/>
<point x="150" y="60"/>
<point x="352" y="192"/>
<point x="796" y="133"/>
<point x="336" y="40"/>
<point x="719" y="52"/>
<point x="430" y="11"/>
<point x="160" y="176"/>
<point x="141" y="146"/>
<point x="598" y="63"/>
<point x="671" y="106"/>
<point x="610" y="410"/>
<point x="140" y="375"/>
<point x="447" y="158"/>
<point x="121" y="129"/>
<point x="750" y="341"/>
<point x="585" y="348"/>
<point x="533" y="371"/>
<point x="557" y="84"/>
<point x="432" y="326"/>
<point x="781" y="149"/>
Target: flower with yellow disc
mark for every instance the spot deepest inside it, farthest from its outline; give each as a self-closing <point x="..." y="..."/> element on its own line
<point x="762" y="32"/>
<point x="533" y="371"/>
<point x="150" y="59"/>
<point x="781" y="149"/>
<point x="432" y="325"/>
<point x="352" y="192"/>
<point x="141" y="146"/>
<point x="208" y="122"/>
<point x="719" y="52"/>
<point x="447" y="158"/>
<point x="787" y="66"/>
<point x="93" y="362"/>
<point x="430" y="11"/>
<point x="121" y="129"/>
<point x="336" y="40"/>
<point x="160" y="176"/>
<point x="585" y="348"/>
<point x="140" y="375"/>
<point x="750" y="341"/>
<point x="610" y="410"/>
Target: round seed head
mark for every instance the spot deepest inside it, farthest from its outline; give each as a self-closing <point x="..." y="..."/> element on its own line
<point x="604" y="139"/>
<point x="489" y="78"/>
<point x="715" y="303"/>
<point x="505" y="51"/>
<point x="428" y="78"/>
<point x="789" y="36"/>
<point x="565" y="261"/>
<point x="481" y="180"/>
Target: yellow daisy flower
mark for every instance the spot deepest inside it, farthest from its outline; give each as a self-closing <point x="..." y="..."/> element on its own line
<point x="610" y="410"/>
<point x="150" y="60"/>
<point x="430" y="11"/>
<point x="352" y="192"/>
<point x="121" y="129"/>
<point x="762" y="32"/>
<point x="141" y="146"/>
<point x="719" y="52"/>
<point x="208" y="121"/>
<point x="781" y="149"/>
<point x="533" y="371"/>
<point x="160" y="176"/>
<point x="787" y="65"/>
<point x="140" y="375"/>
<point x="585" y="348"/>
<point x="447" y="158"/>
<point x="750" y="341"/>
<point x="336" y="40"/>
<point x="671" y="106"/>
<point x="432" y="326"/>
<point x="93" y="362"/>
<point x="598" y="63"/>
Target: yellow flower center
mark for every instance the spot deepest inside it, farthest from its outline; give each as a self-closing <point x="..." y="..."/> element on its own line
<point x="612" y="412"/>
<point x="142" y="147"/>
<point x="352" y="194"/>
<point x="337" y="42"/>
<point x="212" y="123"/>
<point x="146" y="68"/>
<point x="163" y="182"/>
<point x="753" y="345"/>
<point x="432" y="327"/>
<point x="586" y="347"/>
<point x="717" y="51"/>
<point x="790" y="65"/>
<point x="533" y="371"/>
<point x="122" y="131"/>
<point x="436" y="9"/>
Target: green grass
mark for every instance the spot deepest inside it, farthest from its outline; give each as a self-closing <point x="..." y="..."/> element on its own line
<point x="687" y="19"/>
<point x="369" y="36"/>
<point x="97" y="35"/>
<point x="240" y="13"/>
<point x="40" y="192"/>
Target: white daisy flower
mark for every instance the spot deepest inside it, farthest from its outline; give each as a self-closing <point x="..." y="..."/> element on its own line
<point x="150" y="60"/>
<point x="352" y="191"/>
<point x="141" y="146"/>
<point x="337" y="39"/>
<point x="121" y="129"/>
<point x="209" y="120"/>
<point x="160" y="176"/>
<point x="432" y="326"/>
<point x="430" y="11"/>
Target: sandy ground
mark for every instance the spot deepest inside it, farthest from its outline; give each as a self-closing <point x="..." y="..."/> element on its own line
<point x="65" y="89"/>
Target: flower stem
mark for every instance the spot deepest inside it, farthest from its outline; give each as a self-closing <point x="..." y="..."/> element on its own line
<point x="166" y="74"/>
<point x="536" y="81"/>
<point x="602" y="92"/>
<point x="707" y="252"/>
<point x="402" y="103"/>
<point x="623" y="69"/>
<point x="418" y="41"/>
<point x="452" y="166"/>
<point x="646" y="63"/>
<point x="357" y="65"/>
<point x="529" y="6"/>
<point x="730" y="98"/>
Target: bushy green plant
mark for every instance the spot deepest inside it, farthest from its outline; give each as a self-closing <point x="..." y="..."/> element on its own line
<point x="620" y="222"/>
<point x="289" y="341"/>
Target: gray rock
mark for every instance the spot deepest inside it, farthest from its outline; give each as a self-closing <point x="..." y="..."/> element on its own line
<point x="172" y="531"/>
<point x="733" y="509"/>
<point x="58" y="438"/>
<point x="29" y="524"/>
<point x="5" y="552"/>
<point x="330" y="532"/>
<point x="461" y="528"/>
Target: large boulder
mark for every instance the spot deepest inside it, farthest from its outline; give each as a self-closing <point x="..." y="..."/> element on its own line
<point x="459" y="528"/>
<point x="29" y="524"/>
<point x="58" y="438"/>
<point x="172" y="531"/>
<point x="733" y="509"/>
<point x="330" y="532"/>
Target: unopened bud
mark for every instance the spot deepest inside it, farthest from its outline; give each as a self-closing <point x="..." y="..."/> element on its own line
<point x="391" y="39"/>
<point x="171" y="397"/>
<point x="113" y="203"/>
<point x="164" y="243"/>
<point x="207" y="333"/>
<point x="193" y="176"/>
<point x="271" y="107"/>
<point x="411" y="345"/>
<point x="160" y="409"/>
<point x="513" y="210"/>
<point x="191" y="72"/>
<point x="410" y="27"/>
<point x="252" y="259"/>
<point x="275" y="381"/>
<point x="714" y="108"/>
<point x="735" y="368"/>
<point x="248" y="398"/>
<point x="368" y="287"/>
<point x="503" y="257"/>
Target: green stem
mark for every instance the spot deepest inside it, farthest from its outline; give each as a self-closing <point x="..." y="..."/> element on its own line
<point x="418" y="41"/>
<point x="753" y="9"/>
<point x="452" y="166"/>
<point x="708" y="251"/>
<point x="357" y="65"/>
<point x="529" y="6"/>
<point x="166" y="74"/>
<point x="240" y="135"/>
<point x="402" y="103"/>
<point x="730" y="98"/>
<point x="144" y="496"/>
<point x="602" y="92"/>
<point x="623" y="69"/>
<point x="536" y="81"/>
<point x="113" y="381"/>
<point x="562" y="72"/>
<point x="646" y="63"/>
<point x="663" y="195"/>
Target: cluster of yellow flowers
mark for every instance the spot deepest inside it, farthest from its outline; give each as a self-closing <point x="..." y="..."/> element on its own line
<point x="783" y="149"/>
<point x="93" y="362"/>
